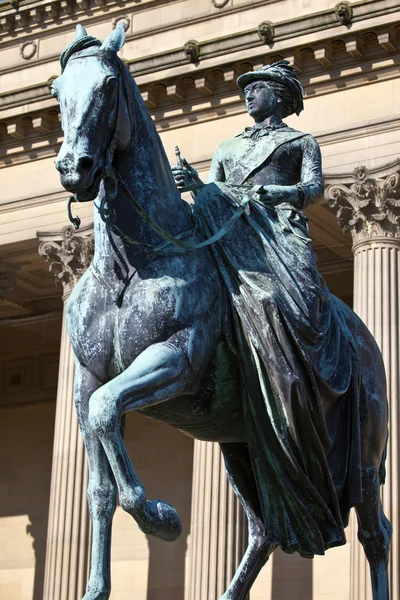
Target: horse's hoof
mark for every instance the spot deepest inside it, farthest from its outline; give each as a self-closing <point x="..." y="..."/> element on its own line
<point x="165" y="520"/>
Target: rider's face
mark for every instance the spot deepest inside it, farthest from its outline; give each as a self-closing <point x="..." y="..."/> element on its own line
<point x="261" y="101"/>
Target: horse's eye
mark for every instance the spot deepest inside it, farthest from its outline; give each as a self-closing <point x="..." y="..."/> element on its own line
<point x="111" y="82"/>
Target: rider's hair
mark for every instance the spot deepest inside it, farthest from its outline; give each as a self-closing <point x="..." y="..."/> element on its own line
<point x="285" y="96"/>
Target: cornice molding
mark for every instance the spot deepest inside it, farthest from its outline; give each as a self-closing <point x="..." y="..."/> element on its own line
<point x="19" y="155"/>
<point x="212" y="93"/>
<point x="53" y="315"/>
<point x="32" y="15"/>
<point x="347" y="178"/>
<point x="28" y="202"/>
<point x="170" y="69"/>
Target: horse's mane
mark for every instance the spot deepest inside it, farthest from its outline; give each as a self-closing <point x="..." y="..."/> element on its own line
<point x="81" y="43"/>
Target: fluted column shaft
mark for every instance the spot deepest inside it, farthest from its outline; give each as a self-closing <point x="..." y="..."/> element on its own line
<point x="218" y="535"/>
<point x="377" y="302"/>
<point x="369" y="208"/>
<point x="67" y="553"/>
<point x="68" y="533"/>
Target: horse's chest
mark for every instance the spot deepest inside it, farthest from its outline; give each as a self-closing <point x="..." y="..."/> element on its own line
<point x="91" y="318"/>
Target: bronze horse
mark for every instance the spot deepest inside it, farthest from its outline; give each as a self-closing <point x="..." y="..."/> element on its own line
<point x="146" y="323"/>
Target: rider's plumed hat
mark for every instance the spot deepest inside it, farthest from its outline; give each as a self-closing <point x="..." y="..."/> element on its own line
<point x="281" y="73"/>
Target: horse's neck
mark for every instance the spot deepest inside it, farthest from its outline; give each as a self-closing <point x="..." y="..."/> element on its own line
<point x="145" y="170"/>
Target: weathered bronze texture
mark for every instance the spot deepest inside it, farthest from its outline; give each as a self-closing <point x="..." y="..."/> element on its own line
<point x="240" y="343"/>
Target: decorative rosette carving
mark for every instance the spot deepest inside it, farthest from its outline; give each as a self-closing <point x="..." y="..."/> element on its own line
<point x="369" y="207"/>
<point x="68" y="257"/>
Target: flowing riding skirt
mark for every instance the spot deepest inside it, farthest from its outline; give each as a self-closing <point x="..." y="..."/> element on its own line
<point x="300" y="371"/>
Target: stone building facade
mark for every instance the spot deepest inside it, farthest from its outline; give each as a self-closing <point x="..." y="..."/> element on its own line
<point x="185" y="56"/>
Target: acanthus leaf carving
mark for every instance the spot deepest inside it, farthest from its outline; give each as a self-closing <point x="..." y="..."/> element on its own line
<point x="369" y="207"/>
<point x="68" y="257"/>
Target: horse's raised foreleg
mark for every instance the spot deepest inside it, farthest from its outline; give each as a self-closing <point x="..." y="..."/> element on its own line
<point x="101" y="491"/>
<point x="374" y="532"/>
<point x="161" y="372"/>
<point x="240" y="474"/>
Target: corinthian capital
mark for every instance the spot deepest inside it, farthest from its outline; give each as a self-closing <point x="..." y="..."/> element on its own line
<point x="368" y="207"/>
<point x="68" y="254"/>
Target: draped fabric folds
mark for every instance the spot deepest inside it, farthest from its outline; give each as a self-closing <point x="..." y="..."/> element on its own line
<point x="300" y="371"/>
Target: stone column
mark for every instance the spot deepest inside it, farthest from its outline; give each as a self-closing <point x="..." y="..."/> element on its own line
<point x="68" y="534"/>
<point x="369" y="208"/>
<point x="218" y="534"/>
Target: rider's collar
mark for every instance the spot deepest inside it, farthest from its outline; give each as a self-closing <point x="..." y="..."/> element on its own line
<point x="259" y="130"/>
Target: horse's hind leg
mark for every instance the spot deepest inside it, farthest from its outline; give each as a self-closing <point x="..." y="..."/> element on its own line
<point x="240" y="474"/>
<point x="101" y="491"/>
<point x="374" y="532"/>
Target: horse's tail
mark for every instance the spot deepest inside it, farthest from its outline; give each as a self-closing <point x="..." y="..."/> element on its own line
<point x="382" y="466"/>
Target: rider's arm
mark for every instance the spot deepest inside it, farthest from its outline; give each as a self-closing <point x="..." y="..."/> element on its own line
<point x="311" y="184"/>
<point x="217" y="172"/>
<point x="310" y="187"/>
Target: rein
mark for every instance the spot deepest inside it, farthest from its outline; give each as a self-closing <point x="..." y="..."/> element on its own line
<point x="175" y="239"/>
<point x="109" y="174"/>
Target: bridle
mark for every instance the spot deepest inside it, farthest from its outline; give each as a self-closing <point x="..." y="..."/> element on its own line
<point x="111" y="175"/>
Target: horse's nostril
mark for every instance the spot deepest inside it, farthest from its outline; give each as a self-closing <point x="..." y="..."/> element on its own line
<point x="60" y="166"/>
<point x="85" y="163"/>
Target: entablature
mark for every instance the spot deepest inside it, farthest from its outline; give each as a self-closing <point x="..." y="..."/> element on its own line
<point x="337" y="63"/>
<point x="21" y="17"/>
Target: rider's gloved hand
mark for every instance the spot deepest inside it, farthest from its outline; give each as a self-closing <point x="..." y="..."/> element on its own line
<point x="185" y="175"/>
<point x="272" y="195"/>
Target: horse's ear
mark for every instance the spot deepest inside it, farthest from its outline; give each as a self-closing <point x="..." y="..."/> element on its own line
<point x="116" y="39"/>
<point x="80" y="32"/>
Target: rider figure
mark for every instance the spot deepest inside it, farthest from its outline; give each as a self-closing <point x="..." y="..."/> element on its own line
<point x="299" y="364"/>
<point x="284" y="164"/>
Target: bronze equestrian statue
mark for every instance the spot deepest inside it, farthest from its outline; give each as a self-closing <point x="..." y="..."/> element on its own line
<point x="213" y="318"/>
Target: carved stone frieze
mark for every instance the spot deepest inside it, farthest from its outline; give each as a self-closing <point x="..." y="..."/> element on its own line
<point x="69" y="255"/>
<point x="369" y="207"/>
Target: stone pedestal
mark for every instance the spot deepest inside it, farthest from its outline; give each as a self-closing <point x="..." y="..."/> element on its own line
<point x="218" y="534"/>
<point x="68" y="535"/>
<point x="370" y="209"/>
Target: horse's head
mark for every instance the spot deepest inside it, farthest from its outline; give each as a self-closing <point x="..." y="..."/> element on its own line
<point x="94" y="111"/>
